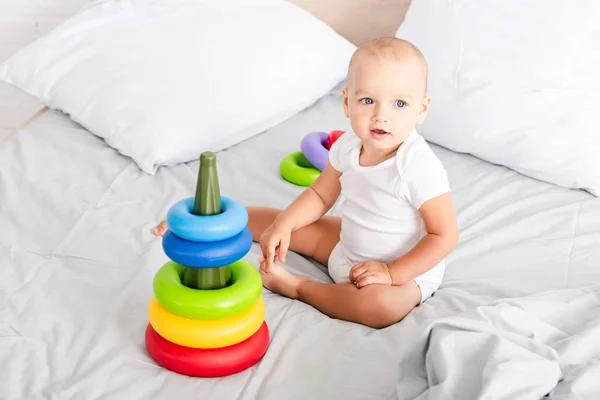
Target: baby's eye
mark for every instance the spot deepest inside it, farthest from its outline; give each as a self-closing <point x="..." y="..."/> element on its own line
<point x="366" y="100"/>
<point x="399" y="103"/>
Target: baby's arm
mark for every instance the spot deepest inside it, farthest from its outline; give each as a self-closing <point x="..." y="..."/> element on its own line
<point x="314" y="202"/>
<point x="442" y="236"/>
<point x="311" y="205"/>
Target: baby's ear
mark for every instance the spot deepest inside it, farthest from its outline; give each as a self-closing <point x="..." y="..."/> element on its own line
<point x="345" y="101"/>
<point x="425" y="104"/>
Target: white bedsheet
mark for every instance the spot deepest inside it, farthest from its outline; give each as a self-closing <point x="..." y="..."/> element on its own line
<point x="516" y="317"/>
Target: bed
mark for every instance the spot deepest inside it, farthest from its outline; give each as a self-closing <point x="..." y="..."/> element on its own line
<point x="516" y="317"/>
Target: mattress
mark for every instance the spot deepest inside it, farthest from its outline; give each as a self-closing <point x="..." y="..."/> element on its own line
<point x="517" y="315"/>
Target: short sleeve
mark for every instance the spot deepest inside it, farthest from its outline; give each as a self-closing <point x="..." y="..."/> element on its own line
<point x="339" y="151"/>
<point x="424" y="179"/>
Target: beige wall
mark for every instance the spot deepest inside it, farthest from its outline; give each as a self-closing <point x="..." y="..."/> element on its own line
<point x="359" y="20"/>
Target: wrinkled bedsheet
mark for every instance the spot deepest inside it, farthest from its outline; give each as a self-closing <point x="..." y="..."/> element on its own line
<point x="516" y="317"/>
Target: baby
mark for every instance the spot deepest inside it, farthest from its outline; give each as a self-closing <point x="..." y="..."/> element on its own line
<point x="386" y="252"/>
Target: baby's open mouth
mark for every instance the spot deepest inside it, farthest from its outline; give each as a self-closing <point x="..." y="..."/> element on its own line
<point x="379" y="132"/>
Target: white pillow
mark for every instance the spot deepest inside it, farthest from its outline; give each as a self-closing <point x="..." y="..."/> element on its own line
<point x="162" y="81"/>
<point x="515" y="83"/>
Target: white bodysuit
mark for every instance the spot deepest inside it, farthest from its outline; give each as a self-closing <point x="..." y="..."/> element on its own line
<point x="380" y="203"/>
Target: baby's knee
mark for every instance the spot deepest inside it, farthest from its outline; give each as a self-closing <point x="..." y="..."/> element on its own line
<point x="381" y="311"/>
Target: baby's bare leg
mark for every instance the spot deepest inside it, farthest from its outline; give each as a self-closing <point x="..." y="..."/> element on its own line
<point x="375" y="305"/>
<point x="316" y="240"/>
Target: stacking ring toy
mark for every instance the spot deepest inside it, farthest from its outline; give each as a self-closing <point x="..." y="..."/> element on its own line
<point x="208" y="362"/>
<point x="244" y="291"/>
<point x="209" y="228"/>
<point x="296" y="169"/>
<point x="314" y="148"/>
<point x="204" y="333"/>
<point x="207" y="254"/>
<point x="206" y="317"/>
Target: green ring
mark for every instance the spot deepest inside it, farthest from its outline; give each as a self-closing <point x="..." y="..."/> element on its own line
<point x="245" y="288"/>
<point x="295" y="168"/>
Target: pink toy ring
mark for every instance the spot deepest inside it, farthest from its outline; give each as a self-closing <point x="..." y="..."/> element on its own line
<point x="314" y="148"/>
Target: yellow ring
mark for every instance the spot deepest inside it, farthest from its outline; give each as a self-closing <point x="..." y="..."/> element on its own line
<point x="204" y="333"/>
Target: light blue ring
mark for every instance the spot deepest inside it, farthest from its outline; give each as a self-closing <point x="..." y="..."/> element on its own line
<point x="207" y="228"/>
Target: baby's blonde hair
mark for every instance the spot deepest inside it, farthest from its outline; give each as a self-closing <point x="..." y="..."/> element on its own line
<point x="391" y="47"/>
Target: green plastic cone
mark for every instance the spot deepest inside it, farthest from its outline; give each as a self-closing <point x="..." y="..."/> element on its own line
<point x="208" y="194"/>
<point x="207" y="202"/>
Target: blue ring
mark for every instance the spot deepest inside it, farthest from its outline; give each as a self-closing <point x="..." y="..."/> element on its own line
<point x="207" y="228"/>
<point x="207" y="254"/>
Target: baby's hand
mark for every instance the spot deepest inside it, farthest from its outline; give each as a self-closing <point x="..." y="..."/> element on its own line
<point x="274" y="243"/>
<point x="369" y="272"/>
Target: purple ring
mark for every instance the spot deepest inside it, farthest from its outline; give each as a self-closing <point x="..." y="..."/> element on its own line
<point x="314" y="148"/>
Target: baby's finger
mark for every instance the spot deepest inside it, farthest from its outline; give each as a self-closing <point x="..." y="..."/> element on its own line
<point x="263" y="259"/>
<point x="283" y="248"/>
<point x="365" y="280"/>
<point x="270" y="255"/>
<point x="362" y="275"/>
<point x="263" y="249"/>
<point x="266" y="250"/>
<point x="355" y="271"/>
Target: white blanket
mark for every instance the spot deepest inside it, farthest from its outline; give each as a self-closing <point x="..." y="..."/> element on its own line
<point x="521" y="348"/>
<point x="511" y="319"/>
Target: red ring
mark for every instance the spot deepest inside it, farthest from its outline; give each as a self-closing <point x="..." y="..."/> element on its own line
<point x="207" y="362"/>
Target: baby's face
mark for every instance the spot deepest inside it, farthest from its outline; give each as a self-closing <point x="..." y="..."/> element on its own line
<point x="384" y="100"/>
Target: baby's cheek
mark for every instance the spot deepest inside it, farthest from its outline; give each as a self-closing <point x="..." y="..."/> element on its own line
<point x="408" y="120"/>
<point x="358" y="122"/>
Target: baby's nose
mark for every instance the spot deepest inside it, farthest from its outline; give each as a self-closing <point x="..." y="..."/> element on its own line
<point x="379" y="117"/>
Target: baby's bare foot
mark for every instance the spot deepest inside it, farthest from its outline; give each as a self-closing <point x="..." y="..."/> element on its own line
<point x="280" y="281"/>
<point x="160" y="229"/>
